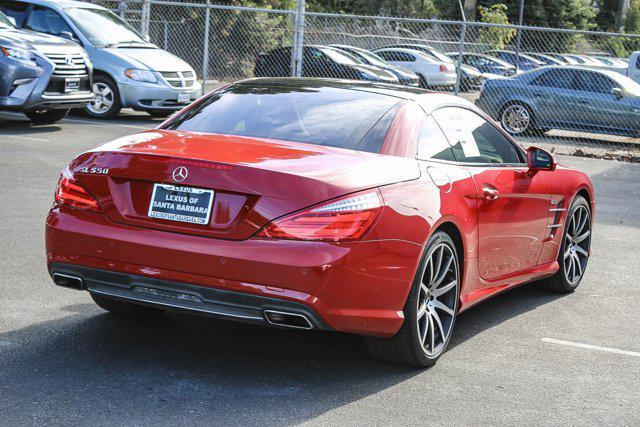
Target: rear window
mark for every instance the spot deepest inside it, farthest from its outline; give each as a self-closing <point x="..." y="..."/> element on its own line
<point x="328" y="116"/>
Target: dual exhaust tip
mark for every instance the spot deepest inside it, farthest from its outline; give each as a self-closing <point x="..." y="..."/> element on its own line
<point x="67" y="281"/>
<point x="273" y="317"/>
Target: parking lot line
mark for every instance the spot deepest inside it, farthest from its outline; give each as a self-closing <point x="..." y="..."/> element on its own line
<point x="592" y="347"/>
<point x="95" y="122"/>
<point x="28" y="138"/>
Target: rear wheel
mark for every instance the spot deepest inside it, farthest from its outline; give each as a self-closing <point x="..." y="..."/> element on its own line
<point x="123" y="308"/>
<point x="574" y="251"/>
<point x="517" y="119"/>
<point x="430" y="311"/>
<point x="46" y="117"/>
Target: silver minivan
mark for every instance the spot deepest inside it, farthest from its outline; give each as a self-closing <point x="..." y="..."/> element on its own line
<point x="129" y="72"/>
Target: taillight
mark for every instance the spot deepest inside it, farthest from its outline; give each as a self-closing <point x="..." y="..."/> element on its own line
<point x="71" y="193"/>
<point x="343" y="219"/>
<point x="443" y="68"/>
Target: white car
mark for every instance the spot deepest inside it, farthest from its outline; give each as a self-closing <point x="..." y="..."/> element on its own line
<point x="432" y="72"/>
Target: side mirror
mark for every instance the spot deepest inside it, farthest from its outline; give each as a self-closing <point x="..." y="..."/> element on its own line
<point x="147" y="38"/>
<point x="617" y="92"/>
<point x="540" y="160"/>
<point x="67" y="35"/>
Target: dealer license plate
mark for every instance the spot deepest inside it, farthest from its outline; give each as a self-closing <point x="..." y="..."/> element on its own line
<point x="71" y="85"/>
<point x="184" y="204"/>
<point x="184" y="98"/>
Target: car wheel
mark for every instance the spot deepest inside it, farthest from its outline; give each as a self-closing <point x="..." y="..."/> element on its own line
<point x="574" y="251"/>
<point x="106" y="99"/>
<point x="46" y="117"/>
<point x="123" y="308"/>
<point x="517" y="119"/>
<point x="430" y="311"/>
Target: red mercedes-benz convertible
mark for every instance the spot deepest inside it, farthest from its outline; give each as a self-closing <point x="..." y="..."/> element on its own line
<point x="314" y="204"/>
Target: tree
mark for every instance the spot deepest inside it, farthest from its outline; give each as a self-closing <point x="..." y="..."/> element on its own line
<point x="496" y="37"/>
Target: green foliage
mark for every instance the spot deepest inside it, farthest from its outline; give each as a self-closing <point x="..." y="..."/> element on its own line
<point x="495" y="37"/>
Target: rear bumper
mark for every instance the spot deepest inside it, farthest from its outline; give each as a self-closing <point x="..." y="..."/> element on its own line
<point x="358" y="287"/>
<point x="183" y="297"/>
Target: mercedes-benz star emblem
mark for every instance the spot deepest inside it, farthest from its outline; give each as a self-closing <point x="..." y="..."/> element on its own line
<point x="180" y="174"/>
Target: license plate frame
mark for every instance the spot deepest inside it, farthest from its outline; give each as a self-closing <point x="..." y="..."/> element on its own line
<point x="184" y="97"/>
<point x="176" y="203"/>
<point x="71" y="84"/>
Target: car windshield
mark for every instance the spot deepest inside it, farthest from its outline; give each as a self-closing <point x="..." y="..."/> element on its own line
<point x="440" y="56"/>
<point x="328" y="116"/>
<point x="103" y="28"/>
<point x="372" y="58"/>
<point x="340" y="57"/>
<point x="4" y="22"/>
<point x="629" y="86"/>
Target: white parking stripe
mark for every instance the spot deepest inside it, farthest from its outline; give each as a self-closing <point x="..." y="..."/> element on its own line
<point x="108" y="123"/>
<point x="28" y="138"/>
<point x="592" y="347"/>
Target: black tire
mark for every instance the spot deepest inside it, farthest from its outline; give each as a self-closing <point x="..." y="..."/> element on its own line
<point x="113" y="95"/>
<point x="531" y="127"/>
<point x="405" y="347"/>
<point x="46" y="117"/>
<point x="123" y="308"/>
<point x="560" y="281"/>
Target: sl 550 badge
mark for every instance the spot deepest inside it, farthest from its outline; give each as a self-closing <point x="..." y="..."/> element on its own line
<point x="102" y="171"/>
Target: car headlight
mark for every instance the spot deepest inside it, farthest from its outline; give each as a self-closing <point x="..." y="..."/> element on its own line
<point x="140" y="75"/>
<point x="17" y="54"/>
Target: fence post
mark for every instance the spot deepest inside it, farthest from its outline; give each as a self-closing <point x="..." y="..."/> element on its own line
<point x="463" y="34"/>
<point x="519" y="35"/>
<point x="298" y="39"/>
<point x="122" y="9"/>
<point x="145" y="18"/>
<point x="205" y="48"/>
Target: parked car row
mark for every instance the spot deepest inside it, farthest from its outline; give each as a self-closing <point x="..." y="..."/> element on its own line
<point x="410" y="64"/>
<point x="58" y="55"/>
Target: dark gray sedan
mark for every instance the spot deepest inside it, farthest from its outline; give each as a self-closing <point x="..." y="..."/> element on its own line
<point x="570" y="98"/>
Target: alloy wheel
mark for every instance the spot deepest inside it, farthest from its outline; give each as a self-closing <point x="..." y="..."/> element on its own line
<point x="577" y="240"/>
<point x="437" y="300"/>
<point x="516" y="119"/>
<point x="103" y="98"/>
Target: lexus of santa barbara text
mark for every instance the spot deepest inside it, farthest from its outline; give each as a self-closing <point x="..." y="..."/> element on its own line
<point x="358" y="207"/>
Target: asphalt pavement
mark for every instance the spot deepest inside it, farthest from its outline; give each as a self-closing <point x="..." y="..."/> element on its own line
<point x="524" y="357"/>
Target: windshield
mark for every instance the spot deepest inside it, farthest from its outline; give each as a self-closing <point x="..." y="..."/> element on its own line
<point x="440" y="56"/>
<point x="630" y="86"/>
<point x="372" y="58"/>
<point x="328" y="116"/>
<point x="103" y="28"/>
<point x="4" y="22"/>
<point x="340" y="57"/>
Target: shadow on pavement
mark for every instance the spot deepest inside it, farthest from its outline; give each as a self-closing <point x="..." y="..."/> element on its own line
<point x="178" y="368"/>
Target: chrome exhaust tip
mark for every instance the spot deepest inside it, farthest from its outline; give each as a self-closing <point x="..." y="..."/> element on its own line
<point x="67" y="281"/>
<point x="288" y="320"/>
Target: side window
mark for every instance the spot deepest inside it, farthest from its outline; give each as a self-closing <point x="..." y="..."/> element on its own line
<point x="15" y="9"/>
<point x="45" y="20"/>
<point x="474" y="140"/>
<point x="555" y="78"/>
<point x="594" y="82"/>
<point x="406" y="57"/>
<point x="432" y="143"/>
<point x="387" y="56"/>
<point x="638" y="62"/>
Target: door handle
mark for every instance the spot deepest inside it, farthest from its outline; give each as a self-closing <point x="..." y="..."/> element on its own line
<point x="583" y="101"/>
<point x="490" y="192"/>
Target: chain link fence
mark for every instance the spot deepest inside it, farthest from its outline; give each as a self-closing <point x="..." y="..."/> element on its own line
<point x="570" y="93"/>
